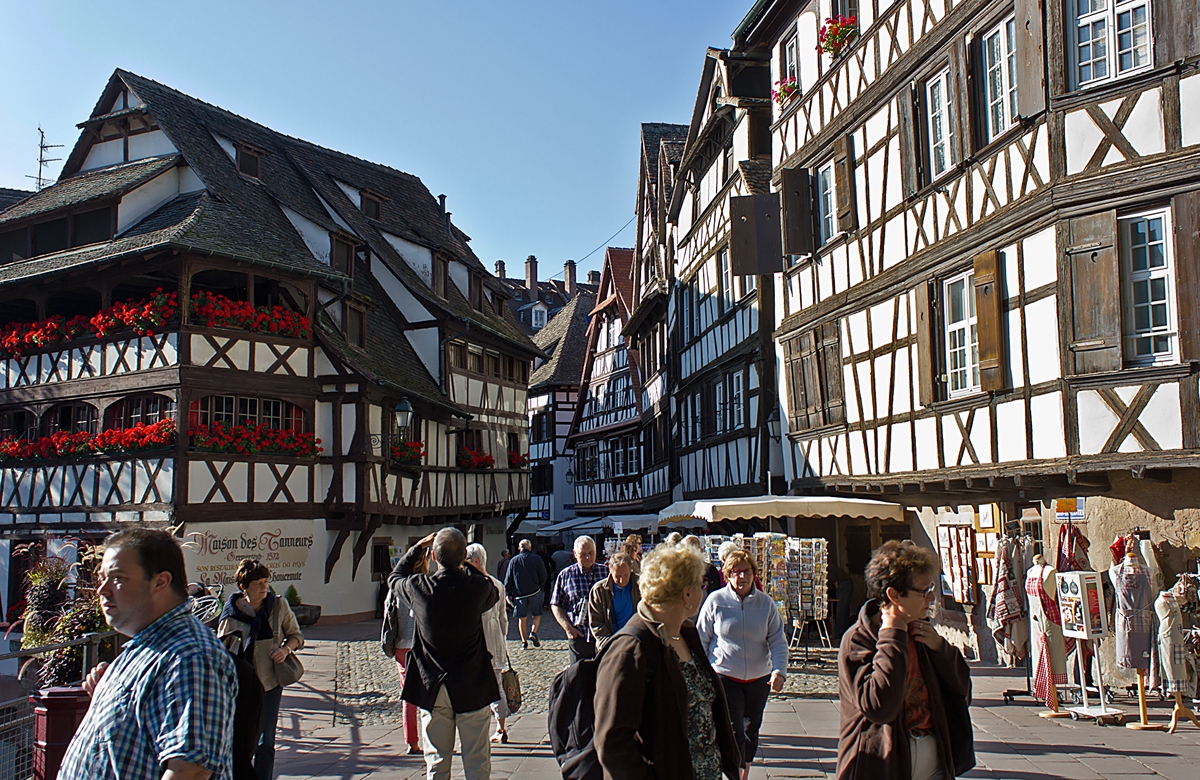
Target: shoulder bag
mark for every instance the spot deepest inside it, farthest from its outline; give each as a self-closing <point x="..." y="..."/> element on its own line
<point x="289" y="670"/>
<point x="511" y="683"/>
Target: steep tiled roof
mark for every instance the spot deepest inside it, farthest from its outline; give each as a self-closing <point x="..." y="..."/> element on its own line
<point x="620" y="262"/>
<point x="10" y="197"/>
<point x="757" y="175"/>
<point x="653" y="134"/>
<point x="112" y="181"/>
<point x="565" y="339"/>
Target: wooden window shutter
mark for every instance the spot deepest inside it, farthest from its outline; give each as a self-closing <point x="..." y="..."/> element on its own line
<point x="1185" y="208"/>
<point x="1176" y="34"/>
<point x="831" y="349"/>
<point x="910" y="151"/>
<point x="843" y="173"/>
<point x="1095" y="296"/>
<point x="989" y="312"/>
<point x="960" y="104"/>
<point x="1031" y="57"/>
<point x="755" y="245"/>
<point x="798" y="226"/>
<point x="924" y="319"/>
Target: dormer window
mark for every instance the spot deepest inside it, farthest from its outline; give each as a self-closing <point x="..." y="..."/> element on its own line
<point x="371" y="206"/>
<point x="355" y="320"/>
<point x="440" y="274"/>
<point x="248" y="160"/>
<point x="476" y="290"/>
<point x="539" y="319"/>
<point x="341" y="255"/>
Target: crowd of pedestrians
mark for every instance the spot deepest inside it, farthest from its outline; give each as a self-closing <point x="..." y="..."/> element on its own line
<point x="685" y="657"/>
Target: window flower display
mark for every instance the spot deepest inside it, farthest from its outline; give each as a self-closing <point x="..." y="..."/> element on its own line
<point x="408" y="453"/>
<point x="475" y="459"/>
<point x="213" y="310"/>
<point x="785" y="89"/>
<point x="113" y="441"/>
<point x="837" y="34"/>
<point x="517" y="460"/>
<point x="254" y="439"/>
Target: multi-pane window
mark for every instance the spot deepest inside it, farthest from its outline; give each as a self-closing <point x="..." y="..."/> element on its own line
<point x="229" y="410"/>
<point x="826" y="204"/>
<point x="587" y="463"/>
<point x="17" y="424"/>
<point x="144" y="409"/>
<point x="726" y="277"/>
<point x="939" y="122"/>
<point x="1000" y="77"/>
<point x="685" y="311"/>
<point x="736" y="408"/>
<point x="789" y="64"/>
<point x="748" y="284"/>
<point x="71" y="418"/>
<point x="727" y="163"/>
<point x="1150" y="330"/>
<point x="458" y="355"/>
<point x="631" y="455"/>
<point x="722" y="415"/>
<point x="962" y="334"/>
<point x="541" y="479"/>
<point x="475" y="360"/>
<point x="539" y="318"/>
<point x="697" y="420"/>
<point x="1111" y="38"/>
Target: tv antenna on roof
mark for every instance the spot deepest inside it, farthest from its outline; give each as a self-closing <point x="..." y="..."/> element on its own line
<point x="43" y="160"/>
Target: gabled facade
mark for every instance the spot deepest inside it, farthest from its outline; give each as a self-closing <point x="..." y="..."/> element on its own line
<point x="533" y="301"/>
<point x="991" y="252"/>
<point x="553" y="397"/>
<point x="648" y="330"/>
<point x="606" y="431"/>
<point x="720" y="316"/>
<point x="287" y="300"/>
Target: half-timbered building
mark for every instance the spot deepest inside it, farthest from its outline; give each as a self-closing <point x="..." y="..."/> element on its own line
<point x="722" y="311"/>
<point x="648" y="330"/>
<point x="606" y="432"/>
<point x="276" y="350"/>
<point x="991" y="231"/>
<point x="553" y="396"/>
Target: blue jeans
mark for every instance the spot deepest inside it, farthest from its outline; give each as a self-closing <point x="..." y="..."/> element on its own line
<point x="264" y="757"/>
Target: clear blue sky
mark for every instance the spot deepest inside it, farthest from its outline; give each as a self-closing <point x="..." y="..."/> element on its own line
<point x="524" y="113"/>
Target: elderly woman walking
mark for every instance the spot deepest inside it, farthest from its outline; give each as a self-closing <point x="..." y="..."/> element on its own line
<point x="660" y="709"/>
<point x="495" y="629"/>
<point x="742" y="633"/>
<point x="892" y="670"/>
<point x="260" y="627"/>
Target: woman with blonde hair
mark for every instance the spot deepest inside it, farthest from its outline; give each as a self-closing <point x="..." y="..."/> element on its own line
<point x="652" y="670"/>
<point x="260" y="627"/>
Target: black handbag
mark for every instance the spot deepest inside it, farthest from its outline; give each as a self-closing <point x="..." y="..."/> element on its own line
<point x="962" y="733"/>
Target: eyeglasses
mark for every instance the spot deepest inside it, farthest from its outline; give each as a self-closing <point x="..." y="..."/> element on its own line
<point x="925" y="591"/>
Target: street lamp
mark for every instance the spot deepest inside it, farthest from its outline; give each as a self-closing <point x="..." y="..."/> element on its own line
<point x="570" y="475"/>
<point x="773" y="423"/>
<point x="403" y="414"/>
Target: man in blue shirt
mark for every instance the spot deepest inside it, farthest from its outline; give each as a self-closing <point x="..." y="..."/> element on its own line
<point x="569" y="600"/>
<point x="164" y="707"/>
<point x="613" y="600"/>
<point x="524" y="582"/>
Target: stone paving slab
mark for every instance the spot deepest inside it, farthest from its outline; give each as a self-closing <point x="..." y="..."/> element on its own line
<point x="331" y="727"/>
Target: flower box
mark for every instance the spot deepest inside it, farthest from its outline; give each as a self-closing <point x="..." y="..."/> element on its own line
<point x="144" y="317"/>
<point x="517" y="460"/>
<point x="785" y="90"/>
<point x="113" y="441"/>
<point x="837" y="34"/>
<point x="408" y="454"/>
<point x="475" y="460"/>
<point x="212" y="310"/>
<point x="254" y="439"/>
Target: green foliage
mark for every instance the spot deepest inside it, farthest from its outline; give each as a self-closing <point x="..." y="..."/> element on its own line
<point x="292" y="596"/>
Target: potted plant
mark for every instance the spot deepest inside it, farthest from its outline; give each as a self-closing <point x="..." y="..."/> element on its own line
<point x="837" y="34"/>
<point x="408" y="454"/>
<point x="785" y="89"/>
<point x="474" y="460"/>
<point x="306" y="614"/>
<point x="517" y="460"/>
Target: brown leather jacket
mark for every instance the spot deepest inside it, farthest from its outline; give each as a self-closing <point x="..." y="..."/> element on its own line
<point x="600" y="608"/>
<point x="872" y="667"/>
<point x="641" y="709"/>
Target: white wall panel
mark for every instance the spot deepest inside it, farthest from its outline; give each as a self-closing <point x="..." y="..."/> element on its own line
<point x="1048" y="437"/>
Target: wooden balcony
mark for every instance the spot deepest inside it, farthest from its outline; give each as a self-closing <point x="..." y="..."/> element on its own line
<point x="90" y="359"/>
<point x="82" y="487"/>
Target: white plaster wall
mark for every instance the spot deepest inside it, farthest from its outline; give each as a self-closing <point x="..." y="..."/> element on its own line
<point x="189" y="180"/>
<point x="412" y="309"/>
<point x="461" y="276"/>
<point x="419" y="258"/>
<point x="150" y="144"/>
<point x="1082" y="138"/>
<point x="1041" y="260"/>
<point x="1041" y="328"/>
<point x="1048" y="438"/>
<point x="1189" y="106"/>
<point x="1144" y="128"/>
<point x="353" y="193"/>
<point x="139" y="202"/>
<point x="806" y="42"/>
<point x="426" y="344"/>
<point x="102" y="154"/>
<point x="315" y="237"/>
<point x="227" y="145"/>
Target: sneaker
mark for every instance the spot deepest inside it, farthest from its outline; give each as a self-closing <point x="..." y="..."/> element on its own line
<point x="536" y="642"/>
<point x="414" y="750"/>
<point x="524" y="645"/>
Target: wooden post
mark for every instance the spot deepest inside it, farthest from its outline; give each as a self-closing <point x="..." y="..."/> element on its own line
<point x="1143" y="723"/>
<point x="1054" y="711"/>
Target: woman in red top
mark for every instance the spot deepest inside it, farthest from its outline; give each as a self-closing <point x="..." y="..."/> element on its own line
<point x="892" y="670"/>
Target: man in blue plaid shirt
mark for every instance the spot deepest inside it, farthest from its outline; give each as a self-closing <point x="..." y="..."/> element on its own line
<point x="569" y="599"/>
<point x="164" y="708"/>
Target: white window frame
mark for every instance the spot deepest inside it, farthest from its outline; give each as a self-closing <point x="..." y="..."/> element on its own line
<point x="961" y="337"/>
<point x="697" y="418"/>
<point x="826" y="202"/>
<point x="789" y="63"/>
<point x="999" y="77"/>
<point x="539" y="319"/>
<point x="719" y="403"/>
<point x="939" y="124"/>
<point x="1102" y="19"/>
<point x="1165" y="297"/>
<point x="736" y="405"/>
<point x="725" y="275"/>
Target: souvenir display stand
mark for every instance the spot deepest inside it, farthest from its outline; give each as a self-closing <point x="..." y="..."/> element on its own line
<point x="1084" y="618"/>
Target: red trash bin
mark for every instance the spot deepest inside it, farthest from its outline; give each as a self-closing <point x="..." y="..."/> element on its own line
<point x="57" y="713"/>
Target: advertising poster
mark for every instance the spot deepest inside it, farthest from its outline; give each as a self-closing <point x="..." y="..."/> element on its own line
<point x="1080" y="603"/>
<point x="212" y="551"/>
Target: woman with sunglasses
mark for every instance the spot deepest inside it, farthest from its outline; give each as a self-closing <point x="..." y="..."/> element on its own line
<point x="893" y="670"/>
<point x="260" y="627"/>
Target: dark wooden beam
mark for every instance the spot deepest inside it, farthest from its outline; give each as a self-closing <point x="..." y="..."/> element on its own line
<point x="335" y="552"/>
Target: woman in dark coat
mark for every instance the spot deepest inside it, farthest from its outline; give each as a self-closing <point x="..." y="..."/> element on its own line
<point x="660" y="709"/>
<point x="892" y="670"/>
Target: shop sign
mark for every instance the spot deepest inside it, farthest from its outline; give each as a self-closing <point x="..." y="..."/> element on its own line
<point x="1081" y="604"/>
<point x="1068" y="509"/>
<point x="212" y="551"/>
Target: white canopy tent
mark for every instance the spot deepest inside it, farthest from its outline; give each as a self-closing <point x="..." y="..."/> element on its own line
<point x="595" y="525"/>
<point x="763" y="507"/>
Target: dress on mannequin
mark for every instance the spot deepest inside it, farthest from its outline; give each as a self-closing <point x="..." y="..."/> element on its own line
<point x="1134" y="620"/>
<point x="1045" y="623"/>
<point x="1171" y="651"/>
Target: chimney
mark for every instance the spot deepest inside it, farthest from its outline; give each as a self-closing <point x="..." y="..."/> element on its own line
<point x="569" y="277"/>
<point x="500" y="269"/>
<point x="445" y="214"/>
<point x="594" y="277"/>
<point x="531" y="277"/>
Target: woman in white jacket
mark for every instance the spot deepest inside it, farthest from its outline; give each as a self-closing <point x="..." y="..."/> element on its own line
<point x="742" y="632"/>
<point x="495" y="630"/>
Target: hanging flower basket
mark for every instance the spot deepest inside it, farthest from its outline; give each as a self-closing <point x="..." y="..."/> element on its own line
<point x="408" y="453"/>
<point x="474" y="460"/>
<point x="837" y="34"/>
<point x="785" y="90"/>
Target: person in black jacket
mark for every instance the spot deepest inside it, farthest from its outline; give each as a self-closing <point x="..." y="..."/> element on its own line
<point x="448" y="672"/>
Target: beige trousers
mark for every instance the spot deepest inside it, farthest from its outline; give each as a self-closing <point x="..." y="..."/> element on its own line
<point x="437" y="739"/>
<point x="923" y="753"/>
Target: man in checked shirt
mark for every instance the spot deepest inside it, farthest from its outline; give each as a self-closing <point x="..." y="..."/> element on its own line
<point x="569" y="600"/>
<point x="164" y="708"/>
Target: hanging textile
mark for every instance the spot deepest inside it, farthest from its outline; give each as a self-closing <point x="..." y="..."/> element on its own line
<point x="1073" y="556"/>
<point x="1133" y="625"/>
<point x="1049" y="656"/>
<point x="1008" y="603"/>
